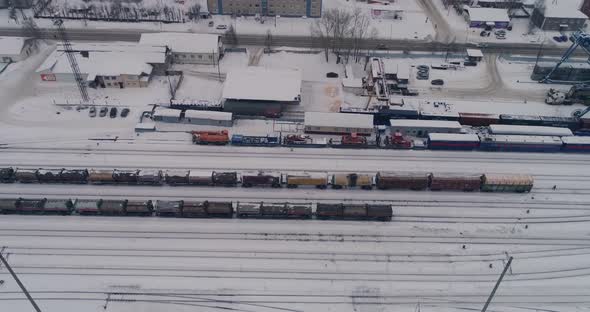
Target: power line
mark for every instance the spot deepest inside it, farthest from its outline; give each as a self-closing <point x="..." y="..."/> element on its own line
<point x="20" y="284"/>
<point x="485" y="307"/>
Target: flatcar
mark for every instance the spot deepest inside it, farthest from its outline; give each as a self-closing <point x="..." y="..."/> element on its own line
<point x="455" y="182"/>
<point x="506" y="183"/>
<point x="402" y="180"/>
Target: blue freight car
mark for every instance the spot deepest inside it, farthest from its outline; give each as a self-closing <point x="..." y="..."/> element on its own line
<point x="576" y="144"/>
<point x="245" y="140"/>
<point x="520" y="143"/>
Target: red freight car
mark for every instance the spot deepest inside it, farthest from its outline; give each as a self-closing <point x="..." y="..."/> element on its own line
<point x="451" y="182"/>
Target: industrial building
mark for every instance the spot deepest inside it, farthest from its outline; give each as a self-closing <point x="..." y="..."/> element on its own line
<point x="14" y="49"/>
<point x="486" y="17"/>
<point x="167" y="115"/>
<point x="559" y="15"/>
<point x="309" y="8"/>
<point x="338" y="123"/>
<point x="187" y="48"/>
<point x="421" y="128"/>
<point x="208" y="118"/>
<point x="568" y="71"/>
<point x="261" y="91"/>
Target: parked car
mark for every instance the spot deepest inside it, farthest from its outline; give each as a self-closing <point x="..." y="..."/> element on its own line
<point x="332" y="75"/>
<point x="423" y="68"/>
<point x="422" y="76"/>
<point x="113" y="112"/>
<point x="124" y="112"/>
<point x="500" y="32"/>
<point x="211" y="23"/>
<point x="92" y="112"/>
<point x="103" y="111"/>
<point x="469" y="63"/>
<point x="221" y="26"/>
<point x="437" y="82"/>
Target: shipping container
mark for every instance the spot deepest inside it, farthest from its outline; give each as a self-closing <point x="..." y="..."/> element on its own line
<point x="139" y="208"/>
<point x="112" y="207"/>
<point x="319" y="180"/>
<point x="58" y="206"/>
<point x="125" y="176"/>
<point x="149" y="177"/>
<point x="166" y="208"/>
<point x="507" y="183"/>
<point x="350" y="180"/>
<point x="30" y="206"/>
<point x="478" y="120"/>
<point x="87" y="207"/>
<point x="229" y="178"/>
<point x="249" y="210"/>
<point x="259" y="178"/>
<point x="196" y="177"/>
<point x="299" y="210"/>
<point x="74" y="176"/>
<point x="100" y="177"/>
<point x="452" y="182"/>
<point x="6" y="175"/>
<point x="49" y="175"/>
<point x="177" y="177"/>
<point x="220" y="209"/>
<point x="379" y="212"/>
<point x="8" y="205"/>
<point x="401" y="180"/>
<point x="26" y="175"/>
<point x="194" y="209"/>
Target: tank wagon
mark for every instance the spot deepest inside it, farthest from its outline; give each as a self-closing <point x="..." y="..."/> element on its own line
<point x="318" y="180"/>
<point x="261" y="179"/>
<point x="7" y="175"/>
<point x="354" y="211"/>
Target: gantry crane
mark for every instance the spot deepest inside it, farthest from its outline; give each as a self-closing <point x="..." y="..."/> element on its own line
<point x="579" y="38"/>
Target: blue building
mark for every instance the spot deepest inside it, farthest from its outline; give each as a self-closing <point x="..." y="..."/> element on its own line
<point x="295" y="8"/>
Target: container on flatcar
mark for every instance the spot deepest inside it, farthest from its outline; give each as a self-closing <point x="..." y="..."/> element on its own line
<point x="26" y="175"/>
<point x="402" y="180"/>
<point x="167" y="208"/>
<point x="125" y="176"/>
<point x="177" y="177"/>
<point x="299" y="210"/>
<point x="220" y="209"/>
<point x="112" y="207"/>
<point x="49" y="175"/>
<point x="100" y="177"/>
<point x="24" y="205"/>
<point x="58" y="206"/>
<point x="319" y="180"/>
<point x="379" y="212"/>
<point x="455" y="182"/>
<point x="8" y="205"/>
<point x="507" y="183"/>
<point x="87" y="207"/>
<point x="259" y="178"/>
<point x="139" y="208"/>
<point x="149" y="177"/>
<point x="194" y="209"/>
<point x="228" y="178"/>
<point x="478" y="120"/>
<point x="327" y="211"/>
<point x="349" y="180"/>
<point x="248" y="210"/>
<point x="203" y="178"/>
<point x="74" y="176"/>
<point x="274" y="210"/>
<point x="6" y="175"/>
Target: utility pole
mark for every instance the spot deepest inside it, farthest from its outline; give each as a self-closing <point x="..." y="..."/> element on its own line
<point x="20" y="284"/>
<point x="485" y="307"/>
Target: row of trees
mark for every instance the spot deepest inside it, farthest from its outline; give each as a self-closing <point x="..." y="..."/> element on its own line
<point x="343" y="32"/>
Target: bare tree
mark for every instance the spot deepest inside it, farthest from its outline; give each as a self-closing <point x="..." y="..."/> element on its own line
<point x="332" y="29"/>
<point x="194" y="11"/>
<point x="268" y="41"/>
<point x="359" y="32"/>
<point x="31" y="30"/>
<point x="231" y="37"/>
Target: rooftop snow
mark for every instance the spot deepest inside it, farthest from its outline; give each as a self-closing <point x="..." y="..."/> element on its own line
<point x="183" y="42"/>
<point x="409" y="123"/>
<point x="528" y="139"/>
<point x="166" y="112"/>
<point x="212" y="115"/>
<point x="259" y="83"/>
<point x="456" y="137"/>
<point x="530" y="130"/>
<point x="11" y="45"/>
<point x="474" y="53"/>
<point x="576" y="140"/>
<point x="352" y="83"/>
<point x="316" y="119"/>
<point x="563" y="9"/>
<point x="488" y="15"/>
<point x="151" y="54"/>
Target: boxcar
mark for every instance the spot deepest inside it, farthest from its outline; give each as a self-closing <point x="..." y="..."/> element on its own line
<point x="274" y="210"/>
<point x="112" y="207"/>
<point x="299" y="210"/>
<point x="6" y="175"/>
<point x="100" y="176"/>
<point x="165" y="208"/>
<point x="125" y="176"/>
<point x="149" y="177"/>
<point x="319" y="180"/>
<point x="8" y="205"/>
<point x="74" y="176"/>
<point x="400" y="180"/>
<point x="478" y="120"/>
<point x="30" y="206"/>
<point x="268" y="179"/>
<point x="26" y="175"/>
<point x="196" y="177"/>
<point x="177" y="177"/>
<point x="139" y="208"/>
<point x="452" y="182"/>
<point x="229" y="178"/>
<point x="58" y="206"/>
<point x="87" y="207"/>
<point x="343" y="180"/>
<point x="507" y="183"/>
<point x="194" y="209"/>
<point x="379" y="212"/>
<point x="248" y="210"/>
<point x="49" y="175"/>
<point x="220" y="209"/>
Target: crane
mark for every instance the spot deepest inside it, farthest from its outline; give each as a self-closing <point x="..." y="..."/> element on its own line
<point x="59" y="23"/>
<point x="578" y="39"/>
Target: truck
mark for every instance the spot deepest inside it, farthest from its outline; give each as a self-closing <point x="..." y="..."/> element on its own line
<point x="397" y="141"/>
<point x="577" y="94"/>
<point x="210" y="137"/>
<point x="353" y="140"/>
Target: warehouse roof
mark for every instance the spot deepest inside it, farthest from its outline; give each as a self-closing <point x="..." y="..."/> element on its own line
<point x="183" y="42"/>
<point x="488" y="15"/>
<point x="455" y="137"/>
<point x="167" y="112"/>
<point x="352" y="83"/>
<point x="530" y="130"/>
<point x="316" y="119"/>
<point x="474" y="53"/>
<point x="211" y="115"/>
<point x="263" y="84"/>
<point x="562" y="9"/>
<point x="11" y="45"/>
<point x="99" y="63"/>
<point x="410" y="123"/>
<point x="151" y="54"/>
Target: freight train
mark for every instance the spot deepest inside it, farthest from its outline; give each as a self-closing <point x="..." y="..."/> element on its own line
<point x="197" y="209"/>
<point x="320" y="180"/>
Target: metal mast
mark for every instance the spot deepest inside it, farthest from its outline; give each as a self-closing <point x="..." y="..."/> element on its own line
<point x="20" y="284"/>
<point x="72" y="59"/>
<point x="485" y="307"/>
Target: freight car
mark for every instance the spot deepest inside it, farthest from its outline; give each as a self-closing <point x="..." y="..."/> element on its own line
<point x="58" y="206"/>
<point x="196" y="177"/>
<point x="524" y="120"/>
<point x="100" y="177"/>
<point x="8" y="205"/>
<point x="207" y="209"/>
<point x="6" y="175"/>
<point x="452" y="141"/>
<point x="247" y="140"/>
<point x="354" y="211"/>
<point x="279" y="210"/>
<point x="101" y="207"/>
<point x="319" y="180"/>
<point x="248" y="209"/>
<point x="30" y="206"/>
<point x="452" y="182"/>
<point x="529" y="130"/>
<point x="150" y="177"/>
<point x="166" y="208"/>
<point x="410" y="180"/>
<point x="506" y="183"/>
<point x="177" y="177"/>
<point x="125" y="176"/>
<point x="478" y="120"/>
<point x="49" y="175"/>
<point x="220" y="209"/>
<point x="351" y="180"/>
<point x="260" y="178"/>
<point x="139" y="208"/>
<point x="576" y="144"/>
<point x="228" y="178"/>
<point x="74" y="176"/>
<point x="520" y="143"/>
<point x="210" y="137"/>
<point x="26" y="175"/>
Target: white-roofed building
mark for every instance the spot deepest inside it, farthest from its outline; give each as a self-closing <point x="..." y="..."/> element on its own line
<point x="187" y="48"/>
<point x="210" y="118"/>
<point x="422" y="128"/>
<point x="482" y="17"/>
<point x="167" y="115"/>
<point x="559" y="15"/>
<point x="338" y="123"/>
<point x="353" y="85"/>
<point x="14" y="49"/>
<point x="261" y="91"/>
<point x="474" y="55"/>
